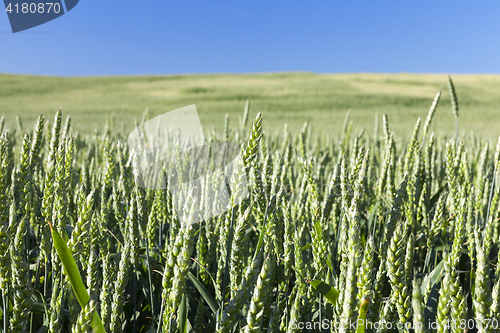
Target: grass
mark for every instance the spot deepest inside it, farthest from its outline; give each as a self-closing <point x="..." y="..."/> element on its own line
<point x="292" y="98"/>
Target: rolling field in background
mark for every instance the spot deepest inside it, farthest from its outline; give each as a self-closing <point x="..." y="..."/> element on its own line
<point x="292" y="98"/>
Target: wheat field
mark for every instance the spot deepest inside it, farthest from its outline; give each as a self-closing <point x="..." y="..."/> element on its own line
<point x="344" y="231"/>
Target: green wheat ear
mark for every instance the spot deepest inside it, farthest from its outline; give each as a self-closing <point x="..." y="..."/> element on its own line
<point x="454" y="106"/>
<point x="453" y="97"/>
<point x="430" y="115"/>
<point x="250" y="152"/>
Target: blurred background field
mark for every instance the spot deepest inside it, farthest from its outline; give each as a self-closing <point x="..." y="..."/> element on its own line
<point x="292" y="98"/>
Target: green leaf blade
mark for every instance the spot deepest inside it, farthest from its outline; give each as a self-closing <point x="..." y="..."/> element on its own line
<point x="204" y="293"/>
<point x="330" y="293"/>
<point x="363" y="310"/>
<point x="71" y="270"/>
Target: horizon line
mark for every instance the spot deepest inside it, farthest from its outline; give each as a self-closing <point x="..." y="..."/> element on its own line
<point x="248" y="73"/>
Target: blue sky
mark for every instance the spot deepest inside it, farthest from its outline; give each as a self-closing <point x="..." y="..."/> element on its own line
<point x="239" y="36"/>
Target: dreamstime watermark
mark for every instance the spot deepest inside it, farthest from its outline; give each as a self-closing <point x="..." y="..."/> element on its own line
<point x="204" y="178"/>
<point x="26" y="14"/>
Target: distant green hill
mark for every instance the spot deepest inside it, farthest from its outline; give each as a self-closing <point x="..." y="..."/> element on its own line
<point x="293" y="98"/>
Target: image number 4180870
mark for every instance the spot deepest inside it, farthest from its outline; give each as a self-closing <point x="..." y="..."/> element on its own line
<point x="40" y="8"/>
<point x="26" y="14"/>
